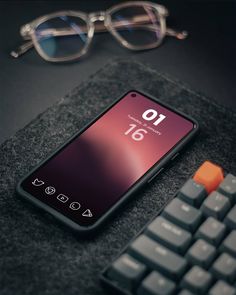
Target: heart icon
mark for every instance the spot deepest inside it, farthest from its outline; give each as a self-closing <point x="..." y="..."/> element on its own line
<point x="37" y="182"/>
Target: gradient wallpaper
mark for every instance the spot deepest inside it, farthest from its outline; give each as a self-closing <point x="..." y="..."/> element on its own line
<point x="102" y="163"/>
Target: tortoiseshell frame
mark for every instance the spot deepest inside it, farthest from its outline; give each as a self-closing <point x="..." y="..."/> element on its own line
<point x="28" y="31"/>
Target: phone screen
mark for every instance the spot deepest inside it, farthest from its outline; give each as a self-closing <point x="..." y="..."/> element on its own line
<point x="94" y="170"/>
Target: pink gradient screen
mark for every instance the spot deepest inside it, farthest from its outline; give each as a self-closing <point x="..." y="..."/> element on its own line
<point x="101" y="164"/>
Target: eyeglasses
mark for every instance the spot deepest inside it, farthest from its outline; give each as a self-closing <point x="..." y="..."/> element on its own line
<point x="66" y="35"/>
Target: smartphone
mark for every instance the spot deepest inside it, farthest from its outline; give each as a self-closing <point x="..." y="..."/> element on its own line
<point x="90" y="176"/>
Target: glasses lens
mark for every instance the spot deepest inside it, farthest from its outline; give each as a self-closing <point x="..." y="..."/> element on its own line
<point x="137" y="25"/>
<point x="62" y="36"/>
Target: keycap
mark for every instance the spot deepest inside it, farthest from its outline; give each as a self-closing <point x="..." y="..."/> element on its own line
<point x="229" y="244"/>
<point x="168" y="234"/>
<point x="197" y="280"/>
<point x="127" y="271"/>
<point x="201" y="253"/>
<point x="183" y="214"/>
<point x="228" y="187"/>
<point x="225" y="268"/>
<point x="156" y="284"/>
<point x="158" y="257"/>
<point x="212" y="231"/>
<point x="185" y="292"/>
<point x="216" y="205"/>
<point x="192" y="193"/>
<point x="230" y="219"/>
<point x="209" y="175"/>
<point x="222" y="288"/>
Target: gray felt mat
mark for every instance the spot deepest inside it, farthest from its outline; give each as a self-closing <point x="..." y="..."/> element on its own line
<point x="39" y="257"/>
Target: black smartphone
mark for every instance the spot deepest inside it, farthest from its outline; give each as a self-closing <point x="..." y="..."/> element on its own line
<point x="101" y="166"/>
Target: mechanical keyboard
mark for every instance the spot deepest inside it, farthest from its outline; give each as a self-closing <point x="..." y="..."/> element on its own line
<point x="188" y="248"/>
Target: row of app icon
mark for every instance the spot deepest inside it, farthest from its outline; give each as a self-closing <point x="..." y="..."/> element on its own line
<point x="50" y="190"/>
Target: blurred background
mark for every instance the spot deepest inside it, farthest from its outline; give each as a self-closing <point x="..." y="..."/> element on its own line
<point x="206" y="60"/>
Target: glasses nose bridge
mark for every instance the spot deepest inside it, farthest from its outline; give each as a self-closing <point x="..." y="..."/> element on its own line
<point x="97" y="16"/>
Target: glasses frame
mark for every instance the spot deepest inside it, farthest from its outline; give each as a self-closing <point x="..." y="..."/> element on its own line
<point x="28" y="31"/>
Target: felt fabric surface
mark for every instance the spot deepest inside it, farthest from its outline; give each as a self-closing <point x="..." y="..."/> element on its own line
<point x="37" y="256"/>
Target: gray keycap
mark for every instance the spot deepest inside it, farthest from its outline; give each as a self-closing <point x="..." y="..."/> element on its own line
<point x="185" y="292"/>
<point x="158" y="257"/>
<point x="228" y="187"/>
<point x="168" y="234"/>
<point x="156" y="284"/>
<point x="197" y="280"/>
<point x="216" y="205"/>
<point x="127" y="271"/>
<point x="225" y="268"/>
<point x="192" y="193"/>
<point x="222" y="288"/>
<point x="229" y="244"/>
<point x="230" y="219"/>
<point x="212" y="230"/>
<point x="183" y="214"/>
<point x="201" y="253"/>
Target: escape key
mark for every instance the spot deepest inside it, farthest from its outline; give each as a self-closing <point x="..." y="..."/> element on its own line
<point x="209" y="175"/>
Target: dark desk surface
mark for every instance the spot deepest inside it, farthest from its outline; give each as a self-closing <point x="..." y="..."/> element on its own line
<point x="206" y="60"/>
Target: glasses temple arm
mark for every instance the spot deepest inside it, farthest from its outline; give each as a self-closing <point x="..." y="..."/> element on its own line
<point x="22" y="49"/>
<point x="181" y="35"/>
<point x="100" y="28"/>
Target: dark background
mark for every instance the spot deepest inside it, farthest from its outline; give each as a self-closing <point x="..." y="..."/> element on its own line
<point x="206" y="60"/>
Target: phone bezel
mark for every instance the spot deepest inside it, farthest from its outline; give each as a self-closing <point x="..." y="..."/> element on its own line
<point x="134" y="188"/>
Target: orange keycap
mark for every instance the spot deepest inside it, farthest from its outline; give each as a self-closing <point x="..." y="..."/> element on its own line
<point x="209" y="175"/>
